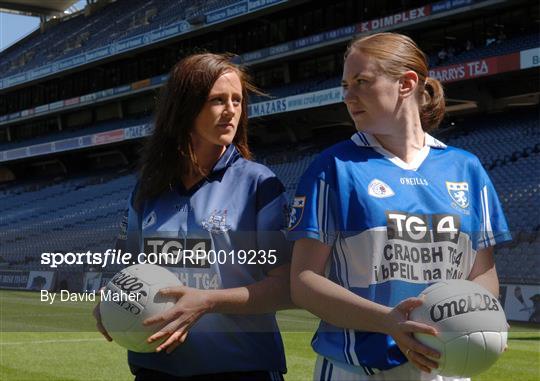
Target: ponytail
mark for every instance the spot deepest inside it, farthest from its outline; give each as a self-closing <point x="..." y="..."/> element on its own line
<point x="432" y="109"/>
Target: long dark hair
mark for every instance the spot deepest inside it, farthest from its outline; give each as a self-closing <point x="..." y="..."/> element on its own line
<point x="168" y="153"/>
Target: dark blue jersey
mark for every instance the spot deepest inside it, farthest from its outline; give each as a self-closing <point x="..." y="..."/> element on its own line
<point x="238" y="209"/>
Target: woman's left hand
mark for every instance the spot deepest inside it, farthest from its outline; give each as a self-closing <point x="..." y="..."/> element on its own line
<point x="402" y="331"/>
<point x="191" y="305"/>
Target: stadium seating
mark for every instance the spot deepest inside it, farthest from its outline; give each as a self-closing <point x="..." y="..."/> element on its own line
<point x="83" y="213"/>
<point x="42" y="220"/>
<point x="79" y="33"/>
<point x="122" y="19"/>
<point x="509" y="146"/>
<point x="299" y="87"/>
<point x="511" y="45"/>
<point x="499" y="138"/>
<point x="66" y="134"/>
<point x="290" y="172"/>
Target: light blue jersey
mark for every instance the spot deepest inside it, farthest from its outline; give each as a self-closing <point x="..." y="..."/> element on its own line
<point x="394" y="228"/>
<point x="241" y="205"/>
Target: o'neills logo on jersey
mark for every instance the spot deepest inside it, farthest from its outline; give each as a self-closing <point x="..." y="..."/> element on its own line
<point x="459" y="192"/>
<point x="379" y="189"/>
<point x="463" y="305"/>
<point x="413" y="181"/>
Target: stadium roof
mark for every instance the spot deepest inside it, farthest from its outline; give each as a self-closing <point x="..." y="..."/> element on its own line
<point x="36" y="7"/>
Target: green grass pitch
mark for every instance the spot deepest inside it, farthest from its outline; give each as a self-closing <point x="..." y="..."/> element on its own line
<point x="58" y="342"/>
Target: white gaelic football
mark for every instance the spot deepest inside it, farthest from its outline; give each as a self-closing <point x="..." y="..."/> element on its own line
<point x="129" y="298"/>
<point x="471" y="324"/>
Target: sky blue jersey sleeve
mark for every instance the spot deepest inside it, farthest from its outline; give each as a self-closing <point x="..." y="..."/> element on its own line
<point x="129" y="237"/>
<point x="272" y="207"/>
<point x="493" y="228"/>
<point x="313" y="211"/>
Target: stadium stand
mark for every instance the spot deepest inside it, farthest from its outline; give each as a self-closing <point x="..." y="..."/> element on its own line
<point x="72" y="35"/>
<point x="81" y="210"/>
<point x="501" y="138"/>
<point x="42" y="218"/>
<point x="81" y="131"/>
<point x="96" y="30"/>
<point x="504" y="47"/>
<point x="319" y="83"/>
<point x="36" y="215"/>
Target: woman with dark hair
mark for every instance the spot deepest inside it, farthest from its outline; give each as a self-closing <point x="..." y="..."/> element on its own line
<point x="384" y="215"/>
<point x="198" y="190"/>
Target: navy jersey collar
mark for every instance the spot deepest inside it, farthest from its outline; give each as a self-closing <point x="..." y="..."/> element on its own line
<point x="230" y="155"/>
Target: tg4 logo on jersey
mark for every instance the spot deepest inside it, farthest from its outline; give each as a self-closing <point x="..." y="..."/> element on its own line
<point x="423" y="228"/>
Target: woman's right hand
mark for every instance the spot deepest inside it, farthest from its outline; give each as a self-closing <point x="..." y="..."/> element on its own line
<point x="401" y="329"/>
<point x="99" y="325"/>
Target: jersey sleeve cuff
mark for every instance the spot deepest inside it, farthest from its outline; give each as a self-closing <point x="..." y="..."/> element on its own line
<point x="328" y="239"/>
<point x="496" y="240"/>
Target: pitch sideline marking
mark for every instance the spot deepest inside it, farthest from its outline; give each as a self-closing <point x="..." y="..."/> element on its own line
<point x="50" y="341"/>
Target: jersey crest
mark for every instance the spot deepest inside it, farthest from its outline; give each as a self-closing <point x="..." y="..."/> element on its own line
<point x="297" y="210"/>
<point x="459" y="192"/>
<point x="379" y="189"/>
<point x="217" y="222"/>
